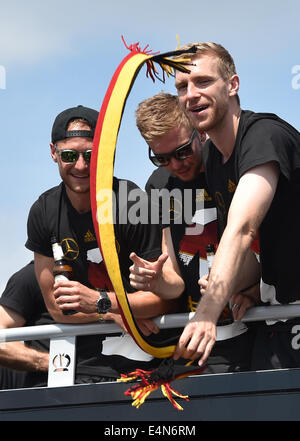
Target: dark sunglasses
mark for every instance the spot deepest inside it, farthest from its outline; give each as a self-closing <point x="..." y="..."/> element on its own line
<point x="71" y="156"/>
<point x="181" y="153"/>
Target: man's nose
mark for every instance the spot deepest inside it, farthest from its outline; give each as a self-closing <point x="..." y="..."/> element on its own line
<point x="192" y="91"/>
<point x="175" y="163"/>
<point x="81" y="163"/>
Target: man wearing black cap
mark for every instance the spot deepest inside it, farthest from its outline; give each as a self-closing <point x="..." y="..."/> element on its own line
<point x="65" y="212"/>
<point x="74" y="130"/>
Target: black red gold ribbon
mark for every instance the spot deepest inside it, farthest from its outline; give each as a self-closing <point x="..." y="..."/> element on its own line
<point x="102" y="167"/>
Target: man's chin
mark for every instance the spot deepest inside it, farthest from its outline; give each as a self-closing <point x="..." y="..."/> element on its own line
<point x="202" y="124"/>
<point x="185" y="177"/>
<point x="79" y="189"/>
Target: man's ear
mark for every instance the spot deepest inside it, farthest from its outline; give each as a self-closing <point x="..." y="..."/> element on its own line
<point x="234" y="85"/>
<point x="53" y="152"/>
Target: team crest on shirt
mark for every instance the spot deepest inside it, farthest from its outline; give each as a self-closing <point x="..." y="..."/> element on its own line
<point x="202" y="195"/>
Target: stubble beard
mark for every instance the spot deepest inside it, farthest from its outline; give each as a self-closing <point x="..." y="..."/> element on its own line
<point x="215" y="121"/>
<point x="73" y="189"/>
<point x="77" y="190"/>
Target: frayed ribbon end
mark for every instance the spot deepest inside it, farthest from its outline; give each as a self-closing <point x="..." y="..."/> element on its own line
<point x="149" y="381"/>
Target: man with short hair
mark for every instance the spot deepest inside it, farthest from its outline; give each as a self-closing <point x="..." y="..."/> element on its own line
<point x="65" y="212"/>
<point x="176" y="148"/>
<point x="252" y="164"/>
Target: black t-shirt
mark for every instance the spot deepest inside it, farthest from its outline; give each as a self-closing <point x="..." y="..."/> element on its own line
<point x="191" y="229"/>
<point x="22" y="294"/>
<point x="158" y="179"/>
<point x="52" y="214"/>
<point x="262" y="138"/>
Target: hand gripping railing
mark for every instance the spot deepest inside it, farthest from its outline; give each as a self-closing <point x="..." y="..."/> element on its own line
<point x="63" y="337"/>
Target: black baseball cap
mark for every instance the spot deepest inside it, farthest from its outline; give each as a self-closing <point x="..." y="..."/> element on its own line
<point x="59" y="129"/>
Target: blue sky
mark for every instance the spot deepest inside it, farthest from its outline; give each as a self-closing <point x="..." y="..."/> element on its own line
<point x="59" y="54"/>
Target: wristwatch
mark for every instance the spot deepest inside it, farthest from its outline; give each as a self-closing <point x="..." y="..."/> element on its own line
<point x="103" y="303"/>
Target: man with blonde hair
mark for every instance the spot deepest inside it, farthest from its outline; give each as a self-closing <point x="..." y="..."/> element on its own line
<point x="258" y="154"/>
<point x="161" y="115"/>
<point x="176" y="149"/>
<point x="157" y="115"/>
<point x="252" y="165"/>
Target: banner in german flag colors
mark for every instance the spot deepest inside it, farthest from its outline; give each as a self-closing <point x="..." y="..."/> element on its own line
<point x="102" y="168"/>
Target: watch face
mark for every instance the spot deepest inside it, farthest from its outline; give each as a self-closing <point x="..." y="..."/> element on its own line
<point x="104" y="303"/>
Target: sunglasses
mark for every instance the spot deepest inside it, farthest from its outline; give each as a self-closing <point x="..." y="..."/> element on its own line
<point x="181" y="153"/>
<point x="71" y="156"/>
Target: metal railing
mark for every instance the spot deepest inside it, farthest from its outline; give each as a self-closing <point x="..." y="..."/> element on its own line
<point x="57" y="330"/>
<point x="63" y="336"/>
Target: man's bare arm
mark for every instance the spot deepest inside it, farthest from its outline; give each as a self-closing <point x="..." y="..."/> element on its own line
<point x="73" y="295"/>
<point x="251" y="201"/>
<point x="43" y="270"/>
<point x="16" y="355"/>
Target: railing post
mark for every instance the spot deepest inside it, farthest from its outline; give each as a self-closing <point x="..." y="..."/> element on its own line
<point x="62" y="355"/>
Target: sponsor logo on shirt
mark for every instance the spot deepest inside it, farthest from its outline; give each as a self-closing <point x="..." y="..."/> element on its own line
<point x="70" y="248"/>
<point x="231" y="186"/>
<point x="185" y="257"/>
<point x="89" y="237"/>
